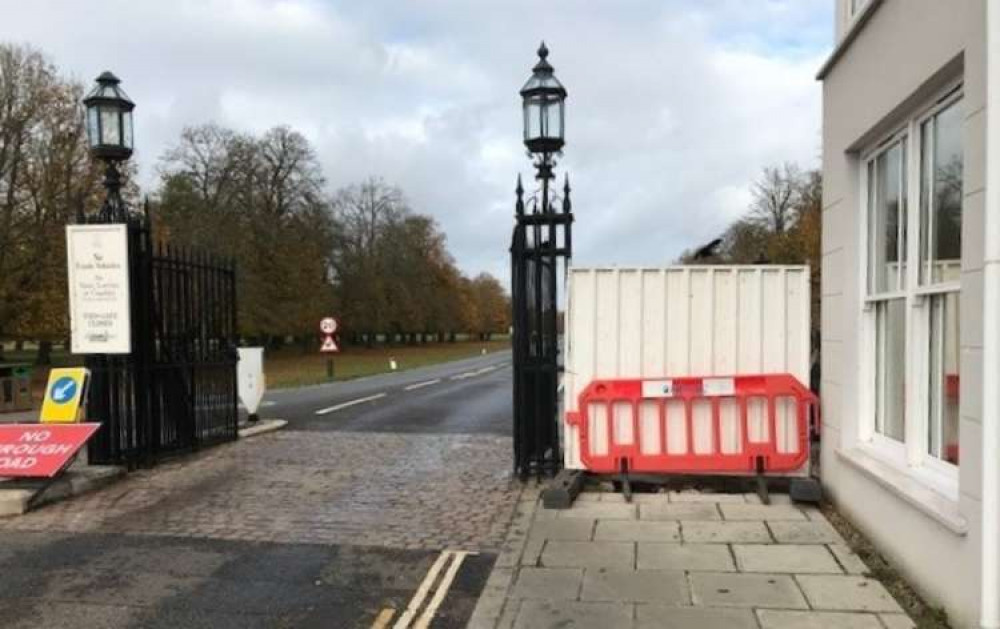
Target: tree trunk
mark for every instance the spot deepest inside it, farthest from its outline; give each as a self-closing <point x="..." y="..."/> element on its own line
<point x="44" y="356"/>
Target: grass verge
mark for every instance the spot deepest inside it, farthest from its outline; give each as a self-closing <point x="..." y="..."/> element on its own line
<point x="291" y="368"/>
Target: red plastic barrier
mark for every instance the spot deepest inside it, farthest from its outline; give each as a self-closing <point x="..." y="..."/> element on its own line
<point x="730" y="442"/>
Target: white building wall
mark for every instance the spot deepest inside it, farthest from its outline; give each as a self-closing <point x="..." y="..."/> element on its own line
<point x="905" y="52"/>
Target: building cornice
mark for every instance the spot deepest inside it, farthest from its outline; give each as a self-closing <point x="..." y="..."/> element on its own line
<point x="853" y="29"/>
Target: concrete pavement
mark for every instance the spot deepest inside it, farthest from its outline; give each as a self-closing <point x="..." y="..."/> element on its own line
<point x="680" y="560"/>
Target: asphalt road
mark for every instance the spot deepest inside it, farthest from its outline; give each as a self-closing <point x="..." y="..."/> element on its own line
<point x="364" y="505"/>
<point x="466" y="396"/>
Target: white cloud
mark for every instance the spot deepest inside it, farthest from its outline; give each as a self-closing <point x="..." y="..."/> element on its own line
<point x="674" y="105"/>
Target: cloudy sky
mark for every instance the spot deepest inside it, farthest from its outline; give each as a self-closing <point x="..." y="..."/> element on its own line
<point x="674" y="105"/>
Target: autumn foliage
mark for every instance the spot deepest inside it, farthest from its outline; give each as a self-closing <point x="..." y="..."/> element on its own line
<point x="302" y="252"/>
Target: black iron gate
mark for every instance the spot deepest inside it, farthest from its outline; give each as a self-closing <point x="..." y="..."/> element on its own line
<point x="176" y="391"/>
<point x="541" y="237"/>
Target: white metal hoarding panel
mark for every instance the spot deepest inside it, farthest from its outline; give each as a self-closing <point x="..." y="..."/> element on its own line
<point x="683" y="321"/>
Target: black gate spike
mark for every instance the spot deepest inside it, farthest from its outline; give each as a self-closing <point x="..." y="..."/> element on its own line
<point x="534" y="303"/>
<point x="519" y="190"/>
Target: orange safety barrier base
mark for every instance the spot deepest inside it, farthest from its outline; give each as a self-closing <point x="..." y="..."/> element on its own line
<point x="746" y="408"/>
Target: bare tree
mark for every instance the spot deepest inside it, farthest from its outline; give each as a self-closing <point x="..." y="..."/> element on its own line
<point x="776" y="197"/>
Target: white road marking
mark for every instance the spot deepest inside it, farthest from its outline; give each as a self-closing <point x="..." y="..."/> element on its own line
<point x="463" y="376"/>
<point x="421" y="385"/>
<point x="337" y="407"/>
<point x="425" y="618"/>
<point x="486" y="369"/>
<point x="418" y="597"/>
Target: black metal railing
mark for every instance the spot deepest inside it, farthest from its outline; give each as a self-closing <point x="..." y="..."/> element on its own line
<point x="176" y="390"/>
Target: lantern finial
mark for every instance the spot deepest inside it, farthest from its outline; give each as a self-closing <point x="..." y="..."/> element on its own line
<point x="108" y="77"/>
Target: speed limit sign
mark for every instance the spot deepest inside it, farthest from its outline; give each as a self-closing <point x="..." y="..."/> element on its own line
<point x="328" y="325"/>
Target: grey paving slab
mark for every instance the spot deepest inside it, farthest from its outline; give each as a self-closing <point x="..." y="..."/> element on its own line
<point x="847" y="593"/>
<point x="775" y="499"/>
<point x="725" y="532"/>
<point x="664" y="617"/>
<point x="897" y="621"/>
<point x="548" y="583"/>
<point x="699" y="496"/>
<point x="813" y="513"/>
<point x="637" y="531"/>
<point x="775" y="619"/>
<point x="785" y="558"/>
<point x="679" y="511"/>
<point x="761" y="512"/>
<point x="745" y="590"/>
<point x="794" y="532"/>
<point x="576" y="615"/>
<point x="650" y="499"/>
<point x="700" y="557"/>
<point x="533" y="551"/>
<point x="636" y="586"/>
<point x="848" y="559"/>
<point x="567" y="554"/>
<point x="578" y="529"/>
<point x="598" y="510"/>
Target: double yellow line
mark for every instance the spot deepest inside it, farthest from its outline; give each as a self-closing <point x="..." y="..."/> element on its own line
<point x="408" y="619"/>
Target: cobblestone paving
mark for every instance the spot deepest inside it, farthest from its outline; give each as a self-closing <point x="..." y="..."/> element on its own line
<point x="373" y="489"/>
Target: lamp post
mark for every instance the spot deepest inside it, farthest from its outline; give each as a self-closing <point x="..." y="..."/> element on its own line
<point x="544" y="105"/>
<point x="109" y="134"/>
<point x="536" y="249"/>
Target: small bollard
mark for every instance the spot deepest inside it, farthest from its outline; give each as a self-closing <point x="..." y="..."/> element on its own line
<point x="392" y="363"/>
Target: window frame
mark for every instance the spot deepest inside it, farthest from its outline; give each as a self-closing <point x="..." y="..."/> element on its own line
<point x="913" y="453"/>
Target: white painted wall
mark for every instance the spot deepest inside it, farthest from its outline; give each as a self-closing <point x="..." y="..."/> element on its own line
<point x="905" y="52"/>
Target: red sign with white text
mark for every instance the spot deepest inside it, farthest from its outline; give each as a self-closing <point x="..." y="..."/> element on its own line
<point x="40" y="450"/>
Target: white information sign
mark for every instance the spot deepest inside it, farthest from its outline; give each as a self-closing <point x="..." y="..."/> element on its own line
<point x="97" y="263"/>
<point x="718" y="386"/>
<point x="250" y="377"/>
<point x="657" y="388"/>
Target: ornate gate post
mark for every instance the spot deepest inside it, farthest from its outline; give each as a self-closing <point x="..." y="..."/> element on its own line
<point x="542" y="235"/>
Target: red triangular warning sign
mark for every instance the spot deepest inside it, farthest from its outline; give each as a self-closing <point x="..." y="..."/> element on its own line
<point x="329" y="345"/>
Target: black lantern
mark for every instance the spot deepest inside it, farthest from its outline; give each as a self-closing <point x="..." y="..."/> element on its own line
<point x="544" y="108"/>
<point x="109" y="119"/>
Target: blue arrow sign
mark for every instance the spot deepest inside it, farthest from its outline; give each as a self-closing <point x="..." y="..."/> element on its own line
<point x="63" y="390"/>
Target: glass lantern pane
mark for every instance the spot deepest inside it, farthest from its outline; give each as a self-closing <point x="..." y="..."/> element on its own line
<point x="553" y="120"/>
<point x="127" y="129"/>
<point x="532" y="119"/>
<point x="93" y="126"/>
<point x="110" y="126"/>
